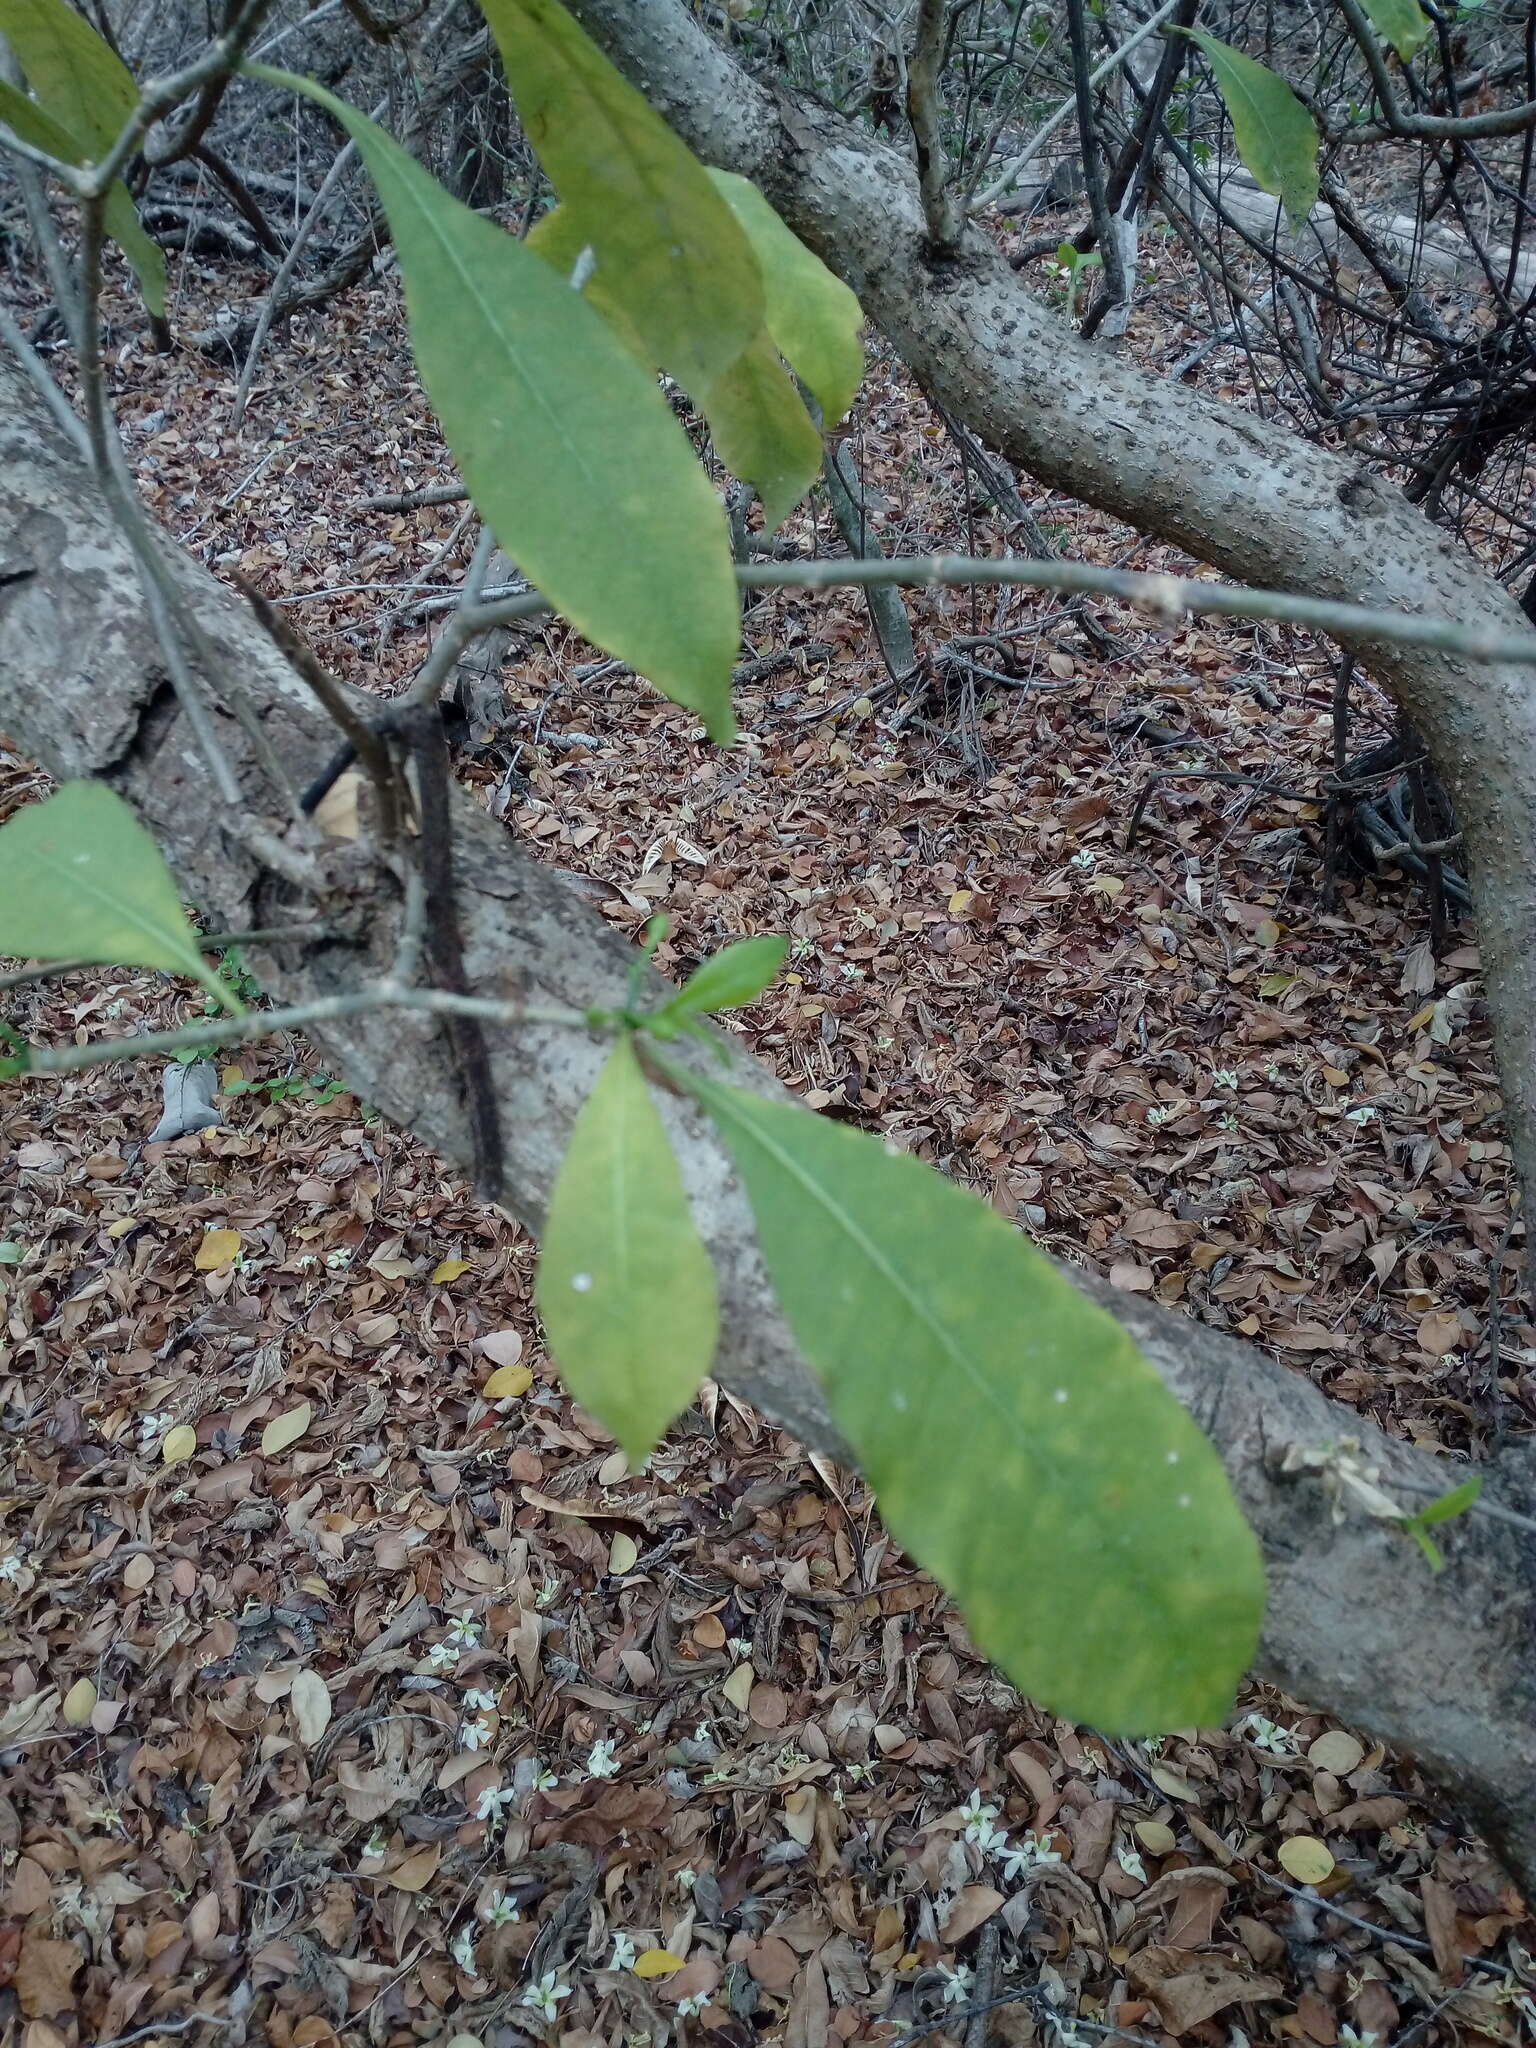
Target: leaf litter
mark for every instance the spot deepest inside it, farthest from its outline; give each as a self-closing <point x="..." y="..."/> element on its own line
<point x="399" y="1709"/>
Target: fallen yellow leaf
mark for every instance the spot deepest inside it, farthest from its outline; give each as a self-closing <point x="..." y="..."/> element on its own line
<point x="178" y="1444"/>
<point x="622" y="1552"/>
<point x="448" y="1269"/>
<point x="217" y="1249"/>
<point x="507" y="1380"/>
<point x="284" y="1430"/>
<point x="656" y="1962"/>
<point x="79" y="1703"/>
<point x="738" y="1687"/>
<point x="1307" y="1859"/>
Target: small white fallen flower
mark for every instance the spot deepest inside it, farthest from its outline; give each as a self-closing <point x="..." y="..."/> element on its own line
<point x="623" y="1953"/>
<point x="463" y="1628"/>
<point x="463" y="1951"/>
<point x="482" y="1702"/>
<point x="499" y="1911"/>
<point x="494" y="1801"/>
<point x="687" y="2007"/>
<point x="602" y="1763"/>
<point x="475" y="1734"/>
<point x="687" y="1879"/>
<point x="957" y="1982"/>
<point x="545" y="1996"/>
<point x="10" y="1567"/>
<point x="443" y="1655"/>
<point x="1028" y="1854"/>
<point x="1131" y="1864"/>
<point x="977" y="1817"/>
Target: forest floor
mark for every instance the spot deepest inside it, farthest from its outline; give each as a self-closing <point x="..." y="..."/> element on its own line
<point x="401" y="1710"/>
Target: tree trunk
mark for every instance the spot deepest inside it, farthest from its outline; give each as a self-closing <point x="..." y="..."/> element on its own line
<point x="81" y="688"/>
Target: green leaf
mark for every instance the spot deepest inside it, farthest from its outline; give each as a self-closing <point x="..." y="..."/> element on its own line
<point x="566" y="444"/>
<point x="557" y="237"/>
<point x="1276" y="136"/>
<point x="762" y="431"/>
<point x="36" y="125"/>
<point x="813" y="317"/>
<point x="79" y="78"/>
<point x="625" y="1288"/>
<point x="1020" y="1446"/>
<point x="80" y="878"/>
<point x="1456" y="1502"/>
<point x="1402" y="23"/>
<point x="737" y="974"/>
<point x="668" y="243"/>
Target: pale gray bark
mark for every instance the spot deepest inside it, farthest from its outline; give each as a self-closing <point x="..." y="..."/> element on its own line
<point x="1356" y="1622"/>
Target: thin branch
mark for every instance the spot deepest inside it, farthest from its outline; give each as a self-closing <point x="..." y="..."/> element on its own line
<point x="207" y="942"/>
<point x="925" y="111"/>
<point x="254" y="1024"/>
<point x="1420" y="127"/>
<point x="1002" y="185"/>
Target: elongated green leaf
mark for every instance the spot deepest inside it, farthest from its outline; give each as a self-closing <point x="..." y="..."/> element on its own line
<point x="566" y="444"/>
<point x="1402" y="23"/>
<point x="80" y="878"/>
<point x="669" y="243"/>
<point x="1276" y="136"/>
<point x="1451" y="1504"/>
<point x="812" y="315"/>
<point x="36" y="125"/>
<point x="625" y="1288"/>
<point x="737" y="974"/>
<point x="762" y="431"/>
<point x="557" y="237"/>
<point x="80" y="79"/>
<point x="1020" y="1446"/>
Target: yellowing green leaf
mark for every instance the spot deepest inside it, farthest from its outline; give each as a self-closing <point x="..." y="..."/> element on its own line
<point x="625" y="1288"/>
<point x="1402" y="23"/>
<point x="217" y="1248"/>
<point x="762" y="431"/>
<point x="1276" y="136"/>
<point x="622" y="1554"/>
<point x="565" y="442"/>
<point x="286" y="1429"/>
<point x="668" y="244"/>
<point x="178" y="1444"/>
<point x="656" y="1962"/>
<point x="506" y="1382"/>
<point x="79" y="78"/>
<point x="448" y="1269"/>
<point x="35" y="124"/>
<point x="79" y="1703"/>
<point x="81" y="878"/>
<point x="813" y="317"/>
<point x="1306" y="1859"/>
<point x="1003" y="1417"/>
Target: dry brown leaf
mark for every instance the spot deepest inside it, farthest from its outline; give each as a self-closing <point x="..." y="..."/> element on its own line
<point x="310" y="1701"/>
<point x="45" y="1975"/>
<point x="1187" y="1988"/>
<point x="1336" y="1750"/>
<point x="415" y="1871"/>
<point x="972" y="1906"/>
